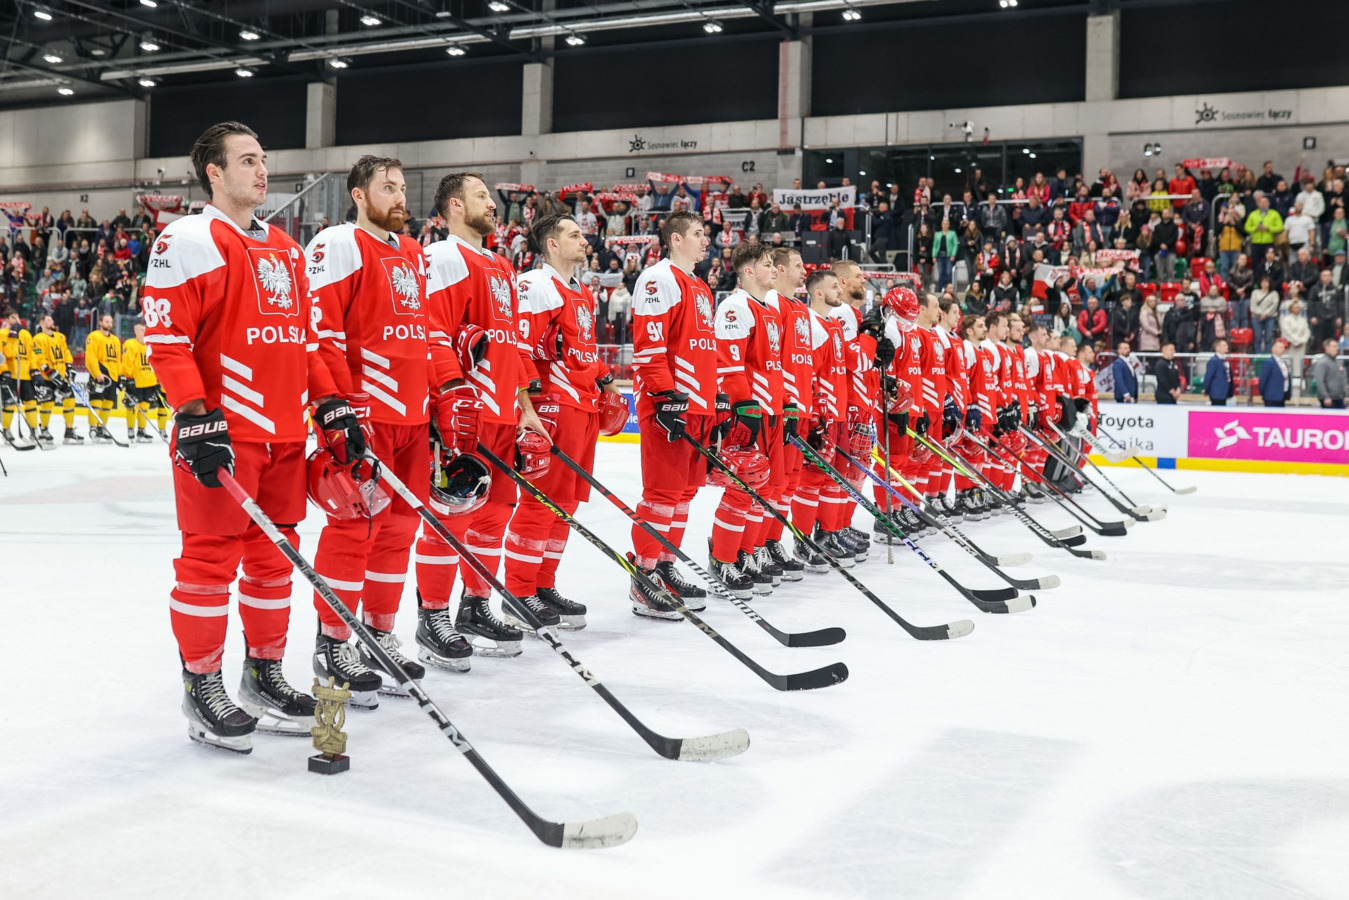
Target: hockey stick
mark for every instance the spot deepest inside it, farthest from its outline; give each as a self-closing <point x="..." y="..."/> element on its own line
<point x="1190" y="489"/>
<point x="716" y="746"/>
<point x="931" y="516"/>
<point x="1067" y="539"/>
<point x="949" y="631"/>
<point x="1069" y="505"/>
<point x="1146" y="513"/>
<point x="1003" y="600"/>
<point x="801" y="681"/>
<point x="609" y="831"/>
<point x="939" y="521"/>
<point x="10" y="397"/>
<point x="102" y="423"/>
<point x="822" y="638"/>
<point x="885" y="423"/>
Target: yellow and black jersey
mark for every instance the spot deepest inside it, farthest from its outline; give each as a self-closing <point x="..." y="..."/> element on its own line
<point x="17" y="347"/>
<point x="103" y="355"/>
<point x="136" y="364"/>
<point x="51" y="352"/>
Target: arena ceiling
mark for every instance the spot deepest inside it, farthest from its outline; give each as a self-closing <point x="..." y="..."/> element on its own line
<point x="60" y="51"/>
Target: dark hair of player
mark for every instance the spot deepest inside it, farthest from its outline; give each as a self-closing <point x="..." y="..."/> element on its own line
<point x="816" y="277"/>
<point x="365" y="169"/>
<point x="1036" y="326"/>
<point x="209" y="150"/>
<point x="677" y="223"/>
<point x="783" y="255"/>
<point x="994" y="317"/>
<point x="748" y="253"/>
<point x="945" y="304"/>
<point x="543" y="229"/>
<point x="966" y="324"/>
<point x="452" y="185"/>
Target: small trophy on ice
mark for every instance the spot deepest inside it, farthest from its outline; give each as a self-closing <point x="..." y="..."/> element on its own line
<point x="329" y="739"/>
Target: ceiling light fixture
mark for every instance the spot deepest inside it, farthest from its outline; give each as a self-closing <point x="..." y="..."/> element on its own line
<point x="712" y="26"/>
<point x="575" y="40"/>
<point x="52" y="58"/>
<point x="369" y="20"/>
<point x="498" y="6"/>
<point x="851" y="15"/>
<point x="153" y="4"/>
<point x="455" y="50"/>
<point x="249" y="34"/>
<point x="243" y="72"/>
<point x="338" y="62"/>
<point x="42" y="14"/>
<point x="149" y="46"/>
<point x="1006" y="4"/>
<point x="65" y="92"/>
<point x="147" y="82"/>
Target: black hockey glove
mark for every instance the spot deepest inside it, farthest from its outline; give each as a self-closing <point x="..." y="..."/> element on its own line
<point x="721" y="417"/>
<point x="535" y="387"/>
<point x="59" y="382"/>
<point x="670" y="408"/>
<point x="873" y="323"/>
<point x="974" y="418"/>
<point x="921" y="425"/>
<point x="125" y="385"/>
<point x="202" y="445"/>
<point x="791" y="416"/>
<point x="1082" y="404"/>
<point x="885" y="353"/>
<point x="341" y="429"/>
<point x="8" y="395"/>
<point x="746" y="423"/>
<point x="1067" y="413"/>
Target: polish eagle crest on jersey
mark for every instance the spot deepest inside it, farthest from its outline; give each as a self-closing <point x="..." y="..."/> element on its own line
<point x="915" y="346"/>
<point x="703" y="304"/>
<point x="802" y="332"/>
<point x="774" y="336"/>
<point x="407" y="288"/>
<point x="501" y="295"/>
<point x="274" y="282"/>
<point x="838" y="347"/>
<point x="585" y="322"/>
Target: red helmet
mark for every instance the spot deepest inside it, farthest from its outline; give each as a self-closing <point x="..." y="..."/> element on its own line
<point x="345" y="492"/>
<point x="460" y="485"/>
<point x="970" y="450"/>
<point x="823" y="441"/>
<point x="920" y="452"/>
<point x="750" y="466"/>
<point x="1014" y="441"/>
<point x="903" y="399"/>
<point x="614" y="413"/>
<point x="903" y="302"/>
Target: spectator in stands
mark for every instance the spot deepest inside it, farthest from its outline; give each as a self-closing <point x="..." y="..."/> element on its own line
<point x="1034" y="216"/>
<point x="736" y="199"/>
<point x="1149" y="325"/>
<point x="1126" y="381"/>
<point x="1268" y="180"/>
<point x="1265" y="303"/>
<point x="1167" y="375"/>
<point x="1092" y="322"/>
<point x="1340" y="270"/>
<point x="1088" y="230"/>
<point x="1059" y="233"/>
<point x="922" y="254"/>
<point x="992" y="220"/>
<point x="85" y="222"/>
<point x="1217" y="380"/>
<point x="1212" y="319"/>
<point x="1165" y="236"/>
<point x="1157" y="200"/>
<point x="1325" y="305"/>
<point x="1182" y="183"/>
<point x="1126" y="284"/>
<point x="1263" y="224"/>
<point x="884" y="233"/>
<point x="1124" y="321"/>
<point x="1180" y="325"/>
<point x="799" y="221"/>
<point x="1194" y="216"/>
<point x="1303" y="271"/>
<point x="726" y="240"/>
<point x="1210" y="276"/>
<point x="1269" y="265"/>
<point x="1329" y="376"/>
<point x="1059" y="185"/>
<point x="1137" y="188"/>
<point x="840" y="245"/>
<point x="1006" y="296"/>
<point x="1275" y="376"/>
<point x="1337" y="231"/>
<point x="121" y="220"/>
<point x="976" y="299"/>
<point x="774" y="219"/>
<point x="1294" y="329"/>
<point x="1108" y="211"/>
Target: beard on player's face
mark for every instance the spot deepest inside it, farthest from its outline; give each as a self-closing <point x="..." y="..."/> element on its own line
<point x="390" y="219"/>
<point x="482" y="221"/>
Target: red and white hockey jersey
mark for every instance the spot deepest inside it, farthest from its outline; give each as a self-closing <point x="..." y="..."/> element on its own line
<point x="957" y="381"/>
<point x="749" y="342"/>
<point x="674" y="338"/>
<point x="913" y="363"/>
<point x="798" y="367"/>
<point x="228" y="320"/>
<point x="981" y="374"/>
<point x="866" y="380"/>
<point x="546" y="300"/>
<point x="832" y="383"/>
<point x="371" y="297"/>
<point x="469" y="285"/>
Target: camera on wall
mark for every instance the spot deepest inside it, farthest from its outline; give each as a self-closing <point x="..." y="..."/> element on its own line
<point x="966" y="128"/>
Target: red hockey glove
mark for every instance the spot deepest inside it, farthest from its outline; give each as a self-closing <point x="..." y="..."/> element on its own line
<point x="458" y="412"/>
<point x="533" y="451"/>
<point x="791" y="421"/>
<point x="470" y="346"/>
<point x="746" y="423"/>
<point x="549" y="346"/>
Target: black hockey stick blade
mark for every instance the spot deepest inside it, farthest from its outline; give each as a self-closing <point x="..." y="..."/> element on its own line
<point x="1076" y="540"/>
<point x="821" y="638"/>
<point x="995" y="594"/>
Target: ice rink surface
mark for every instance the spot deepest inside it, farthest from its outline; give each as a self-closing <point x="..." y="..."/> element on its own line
<point x="1170" y="723"/>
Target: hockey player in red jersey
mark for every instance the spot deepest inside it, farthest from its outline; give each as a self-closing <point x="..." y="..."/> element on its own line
<point x="912" y="403"/>
<point x="1038" y="372"/>
<point x="979" y="414"/>
<point x="947" y="337"/>
<point x="557" y="326"/>
<point x="1001" y="393"/>
<point x="869" y="352"/>
<point x="674" y="360"/>
<point x="798" y="372"/>
<point x="749" y="346"/>
<point x="481" y="376"/>
<point x="368" y="284"/>
<point x="228" y="318"/>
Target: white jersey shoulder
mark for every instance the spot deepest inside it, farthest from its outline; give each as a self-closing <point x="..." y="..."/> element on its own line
<point x="850" y="318"/>
<point x="333" y="255"/>
<point x="819" y="334"/>
<point x="445" y="264"/>
<point x="1032" y="362"/>
<point x="539" y="291"/>
<point x="893" y="333"/>
<point x="186" y="249"/>
<point x="994" y="348"/>
<point x="969" y="351"/>
<point x="657" y="290"/>
<point x="735" y="317"/>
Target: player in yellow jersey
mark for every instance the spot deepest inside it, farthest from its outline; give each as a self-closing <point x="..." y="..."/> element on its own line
<point x="16" y="386"/>
<point x="140" y="388"/>
<point x="51" y="380"/>
<point x="103" y="359"/>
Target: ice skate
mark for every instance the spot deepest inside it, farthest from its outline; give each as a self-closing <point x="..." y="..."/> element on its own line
<point x="340" y="661"/>
<point x="439" y="643"/>
<point x="761" y="582"/>
<point x="489" y="635"/>
<point x="389" y="643"/>
<point x="279" y="708"/>
<point x="571" y="615"/>
<point x="546" y="615"/>
<point x="792" y="569"/>
<point x="213" y="718"/>
<point x="645" y="602"/>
